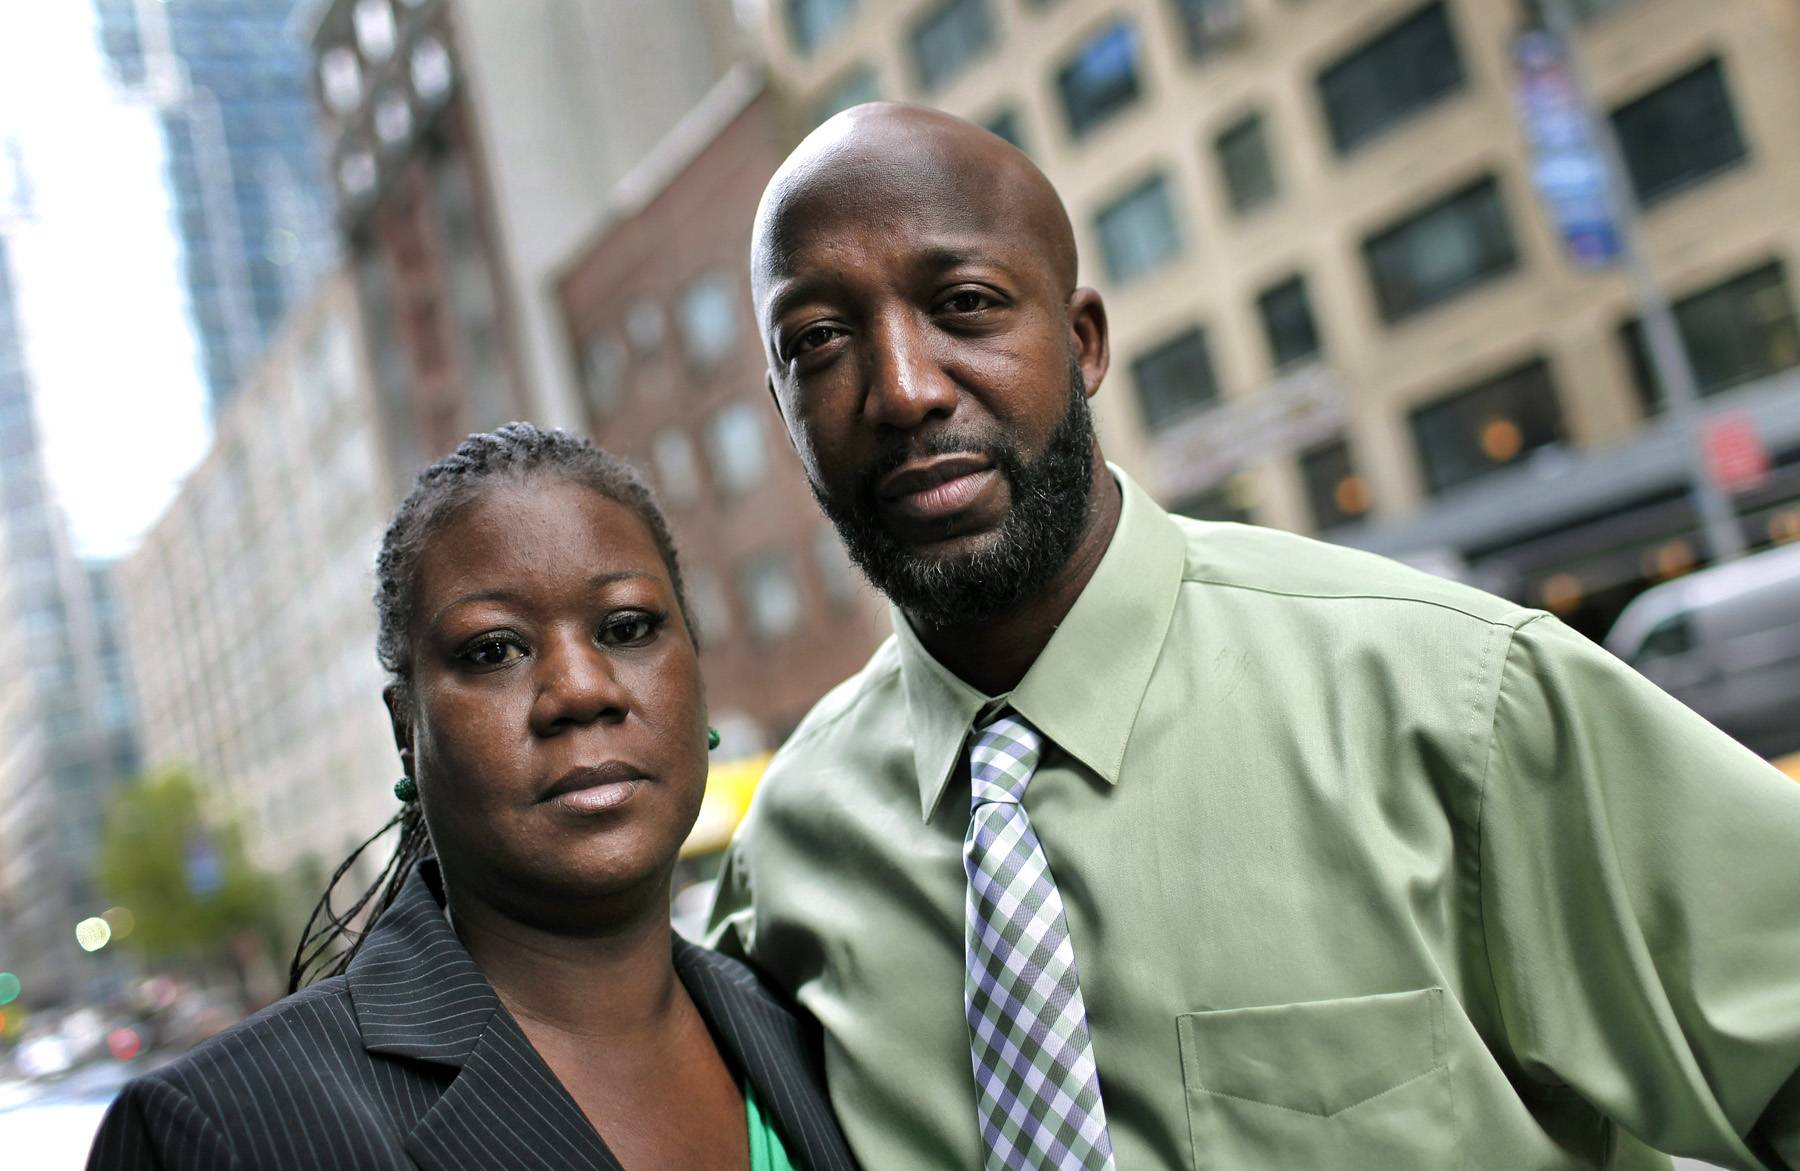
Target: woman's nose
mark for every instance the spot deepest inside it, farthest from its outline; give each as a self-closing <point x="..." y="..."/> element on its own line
<point x="577" y="685"/>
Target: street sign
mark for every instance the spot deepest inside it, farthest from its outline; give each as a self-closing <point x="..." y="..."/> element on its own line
<point x="1567" y="167"/>
<point x="1291" y="413"/>
<point x="1736" y="458"/>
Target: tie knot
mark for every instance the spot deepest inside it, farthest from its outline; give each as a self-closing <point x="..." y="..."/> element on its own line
<point x="1002" y="760"/>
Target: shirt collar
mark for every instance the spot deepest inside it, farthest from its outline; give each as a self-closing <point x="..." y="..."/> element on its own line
<point x="1084" y="690"/>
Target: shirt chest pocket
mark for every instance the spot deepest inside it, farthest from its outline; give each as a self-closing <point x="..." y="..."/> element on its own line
<point x="1348" y="1084"/>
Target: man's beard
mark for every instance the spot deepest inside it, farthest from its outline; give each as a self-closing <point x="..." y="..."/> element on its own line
<point x="1049" y="498"/>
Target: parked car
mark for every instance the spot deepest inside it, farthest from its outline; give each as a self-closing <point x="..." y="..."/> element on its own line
<point x="1726" y="642"/>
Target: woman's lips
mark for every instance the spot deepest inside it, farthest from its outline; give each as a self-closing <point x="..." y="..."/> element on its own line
<point x="595" y="788"/>
<point x="600" y="798"/>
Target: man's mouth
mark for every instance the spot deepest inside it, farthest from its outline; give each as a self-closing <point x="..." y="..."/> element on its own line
<point x="935" y="487"/>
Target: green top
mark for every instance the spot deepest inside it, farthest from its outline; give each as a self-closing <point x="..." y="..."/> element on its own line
<point x="766" y="1151"/>
<point x="1362" y="868"/>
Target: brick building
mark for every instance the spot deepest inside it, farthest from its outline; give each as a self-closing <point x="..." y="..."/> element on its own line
<point x="658" y="311"/>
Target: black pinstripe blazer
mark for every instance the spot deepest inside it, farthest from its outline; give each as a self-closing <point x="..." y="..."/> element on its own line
<point x="409" y="1060"/>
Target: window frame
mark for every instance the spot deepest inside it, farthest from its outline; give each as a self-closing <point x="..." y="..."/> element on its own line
<point x="1157" y="406"/>
<point x="1507" y="258"/>
<point x="1339" y="74"/>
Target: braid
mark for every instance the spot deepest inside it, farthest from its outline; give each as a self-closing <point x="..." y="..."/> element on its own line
<point x="516" y="451"/>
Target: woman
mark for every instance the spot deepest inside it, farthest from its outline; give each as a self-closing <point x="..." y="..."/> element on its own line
<point x="520" y="1001"/>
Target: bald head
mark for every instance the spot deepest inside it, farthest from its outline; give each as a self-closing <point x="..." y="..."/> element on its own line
<point x="883" y="162"/>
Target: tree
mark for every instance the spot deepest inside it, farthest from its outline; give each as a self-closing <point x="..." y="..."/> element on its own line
<point x="186" y="878"/>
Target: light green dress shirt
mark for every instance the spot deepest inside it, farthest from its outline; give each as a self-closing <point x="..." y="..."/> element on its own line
<point x="1362" y="868"/>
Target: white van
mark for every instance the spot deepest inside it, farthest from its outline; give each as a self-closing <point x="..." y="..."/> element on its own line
<point x="1726" y="642"/>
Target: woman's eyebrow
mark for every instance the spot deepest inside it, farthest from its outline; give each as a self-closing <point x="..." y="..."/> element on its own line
<point x="503" y="594"/>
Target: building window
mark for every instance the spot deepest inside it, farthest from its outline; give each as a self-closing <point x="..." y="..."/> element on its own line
<point x="1398" y="73"/>
<point x="707" y="311"/>
<point x="644" y="327"/>
<point x="1679" y="134"/>
<point x="1138" y="232"/>
<point x="1209" y="25"/>
<point x="735" y="447"/>
<point x="603" y="372"/>
<point x="1229" y="501"/>
<point x="856" y="87"/>
<point x="1006" y="125"/>
<point x="706" y="599"/>
<point x="813" y="22"/>
<point x="1335" y="492"/>
<point x="340" y="79"/>
<point x="374" y="23"/>
<point x="1175" y="378"/>
<point x="771" y="597"/>
<point x="1100" y="79"/>
<point x="1431" y="256"/>
<point x="1485" y="427"/>
<point x="950" y="38"/>
<point x="1591" y="10"/>
<point x="1735" y="332"/>
<point x="1287" y="320"/>
<point x="1243" y="151"/>
<point x="677" y="469"/>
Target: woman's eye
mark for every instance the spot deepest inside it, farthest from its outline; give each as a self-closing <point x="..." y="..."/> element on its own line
<point x="628" y="630"/>
<point x="493" y="652"/>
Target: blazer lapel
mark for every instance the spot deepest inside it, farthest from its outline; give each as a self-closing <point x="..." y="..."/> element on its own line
<point x="506" y="1110"/>
<point x="775" y="1051"/>
<point x="417" y="994"/>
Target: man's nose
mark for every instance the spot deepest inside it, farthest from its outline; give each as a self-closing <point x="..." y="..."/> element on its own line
<point x="906" y="384"/>
<point x="577" y="685"/>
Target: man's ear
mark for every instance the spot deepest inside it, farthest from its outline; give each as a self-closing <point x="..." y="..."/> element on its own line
<point x="1093" y="343"/>
<point x="400" y="719"/>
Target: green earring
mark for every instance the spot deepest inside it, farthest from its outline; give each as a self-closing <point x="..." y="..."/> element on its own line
<point x="407" y="790"/>
<point x="712" y="738"/>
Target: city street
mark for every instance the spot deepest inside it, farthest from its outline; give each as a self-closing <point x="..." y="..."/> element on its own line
<point x="48" y="1127"/>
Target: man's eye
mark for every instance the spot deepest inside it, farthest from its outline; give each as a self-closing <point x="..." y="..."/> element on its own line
<point x="967" y="301"/>
<point x="493" y="652"/>
<point x="630" y="629"/>
<point x="813" y="338"/>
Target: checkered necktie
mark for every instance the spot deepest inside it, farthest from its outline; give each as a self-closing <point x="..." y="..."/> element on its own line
<point x="1037" y="1089"/>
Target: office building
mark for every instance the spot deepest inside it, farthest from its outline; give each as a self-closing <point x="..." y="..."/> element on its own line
<point x="1338" y="304"/>
<point x="471" y="147"/>
<point x="232" y="87"/>
<point x="248" y="605"/>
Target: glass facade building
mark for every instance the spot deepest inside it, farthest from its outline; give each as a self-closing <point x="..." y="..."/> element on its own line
<point x="232" y="82"/>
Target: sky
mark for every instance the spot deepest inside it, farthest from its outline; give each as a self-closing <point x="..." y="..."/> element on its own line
<point x="108" y="344"/>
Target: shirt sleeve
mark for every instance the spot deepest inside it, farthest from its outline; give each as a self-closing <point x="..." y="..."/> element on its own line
<point x="731" y="926"/>
<point x="1640" y="901"/>
<point x="153" y="1126"/>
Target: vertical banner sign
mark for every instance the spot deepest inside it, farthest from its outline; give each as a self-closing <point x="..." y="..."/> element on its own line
<point x="1566" y="166"/>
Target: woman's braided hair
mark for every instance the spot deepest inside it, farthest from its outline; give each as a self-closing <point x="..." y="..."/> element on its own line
<point x="516" y="452"/>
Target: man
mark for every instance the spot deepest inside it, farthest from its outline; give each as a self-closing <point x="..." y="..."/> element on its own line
<point x="1152" y="843"/>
